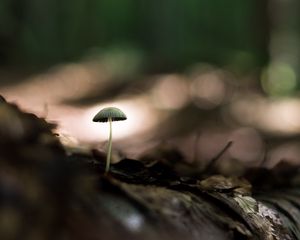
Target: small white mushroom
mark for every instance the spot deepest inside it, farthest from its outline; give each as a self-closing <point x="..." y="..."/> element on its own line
<point x="109" y="114"/>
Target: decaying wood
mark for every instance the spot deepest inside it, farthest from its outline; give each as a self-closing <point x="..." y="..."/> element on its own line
<point x="48" y="193"/>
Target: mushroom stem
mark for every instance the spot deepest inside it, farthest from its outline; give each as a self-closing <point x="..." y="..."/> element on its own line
<point x="108" y="157"/>
<point x="108" y="115"/>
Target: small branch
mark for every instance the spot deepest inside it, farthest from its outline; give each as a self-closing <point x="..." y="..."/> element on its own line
<point x="212" y="163"/>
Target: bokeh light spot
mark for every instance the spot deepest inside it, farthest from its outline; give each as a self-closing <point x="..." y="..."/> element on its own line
<point x="170" y="92"/>
<point x="279" y="79"/>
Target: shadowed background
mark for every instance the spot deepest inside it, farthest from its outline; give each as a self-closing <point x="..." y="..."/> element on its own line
<point x="192" y="74"/>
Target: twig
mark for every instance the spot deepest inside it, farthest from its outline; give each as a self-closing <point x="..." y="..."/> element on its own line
<point x="212" y="163"/>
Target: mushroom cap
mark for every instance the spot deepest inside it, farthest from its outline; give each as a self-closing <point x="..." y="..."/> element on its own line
<point x="110" y="112"/>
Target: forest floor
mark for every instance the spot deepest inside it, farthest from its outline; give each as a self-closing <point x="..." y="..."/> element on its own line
<point x="51" y="191"/>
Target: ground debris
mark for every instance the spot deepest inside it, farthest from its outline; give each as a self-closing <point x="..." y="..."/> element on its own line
<point x="48" y="193"/>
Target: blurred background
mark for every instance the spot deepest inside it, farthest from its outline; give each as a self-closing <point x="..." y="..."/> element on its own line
<point x="191" y="74"/>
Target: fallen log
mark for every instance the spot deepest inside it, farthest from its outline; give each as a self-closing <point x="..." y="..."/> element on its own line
<point x="48" y="193"/>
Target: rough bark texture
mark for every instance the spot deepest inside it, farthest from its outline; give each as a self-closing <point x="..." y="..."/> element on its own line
<point x="48" y="193"/>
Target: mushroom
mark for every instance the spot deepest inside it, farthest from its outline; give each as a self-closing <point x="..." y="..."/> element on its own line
<point x="109" y="114"/>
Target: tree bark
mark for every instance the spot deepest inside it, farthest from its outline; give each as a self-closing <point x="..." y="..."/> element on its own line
<point x="48" y="192"/>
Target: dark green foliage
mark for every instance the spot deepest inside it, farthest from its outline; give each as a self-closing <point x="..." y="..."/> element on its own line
<point x="172" y="33"/>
